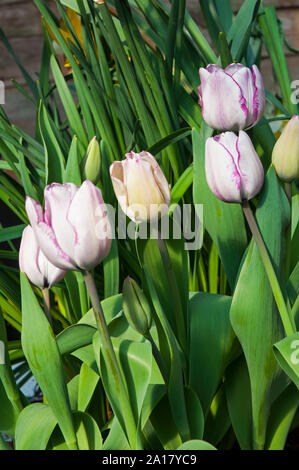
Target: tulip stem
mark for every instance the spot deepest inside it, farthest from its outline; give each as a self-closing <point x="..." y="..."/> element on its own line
<point x="286" y="318"/>
<point x="110" y="358"/>
<point x="47" y="304"/>
<point x="288" y="191"/>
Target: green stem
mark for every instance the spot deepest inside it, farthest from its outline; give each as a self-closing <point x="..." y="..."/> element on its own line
<point x="286" y="318"/>
<point x="288" y="191"/>
<point x="110" y="357"/>
<point x="47" y="304"/>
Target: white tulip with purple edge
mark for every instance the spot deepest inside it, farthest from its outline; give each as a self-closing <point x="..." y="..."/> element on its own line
<point x="68" y="231"/>
<point x="140" y="186"/>
<point x="34" y="263"/>
<point x="232" y="98"/>
<point x="234" y="171"/>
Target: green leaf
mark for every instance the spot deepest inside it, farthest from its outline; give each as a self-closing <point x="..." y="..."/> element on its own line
<point x="273" y="41"/>
<point x="287" y="354"/>
<point x="116" y="439"/>
<point x="42" y="354"/>
<point x="69" y="105"/>
<point x="111" y="307"/>
<point x="9" y="414"/>
<point x="211" y="341"/>
<point x="11" y="233"/>
<point x="72" y="171"/>
<point x="223" y="221"/>
<point x="282" y="414"/>
<point x="135" y="361"/>
<point x="171" y="139"/>
<point x="195" y="414"/>
<point x="87" y="431"/>
<point x="182" y="185"/>
<point x="166" y="262"/>
<point x="218" y="420"/>
<point x="254" y="314"/>
<point x="239" y="33"/>
<point x="75" y="337"/>
<point x="53" y="154"/>
<point x="238" y="396"/>
<point x="10" y="394"/>
<point x="196" y="444"/>
<point x="111" y="271"/>
<point x="88" y="381"/>
<point x="34" y="427"/>
<point x="162" y="420"/>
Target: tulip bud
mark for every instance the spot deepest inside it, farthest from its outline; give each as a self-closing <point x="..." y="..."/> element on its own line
<point x="93" y="162"/>
<point x="74" y="232"/>
<point x="140" y="187"/>
<point x="233" y="98"/>
<point x="285" y="155"/>
<point x="233" y="169"/>
<point x="34" y="264"/>
<point x="136" y="307"/>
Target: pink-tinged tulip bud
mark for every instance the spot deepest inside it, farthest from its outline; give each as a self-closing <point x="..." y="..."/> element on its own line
<point x="34" y="264"/>
<point x="140" y="186"/>
<point x="233" y="169"/>
<point x="285" y="155"/>
<point x="74" y="232"/>
<point x="232" y="98"/>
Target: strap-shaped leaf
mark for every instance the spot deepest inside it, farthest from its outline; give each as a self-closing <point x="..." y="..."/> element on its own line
<point x="287" y="354"/>
<point x="254" y="314"/>
<point x="43" y="357"/>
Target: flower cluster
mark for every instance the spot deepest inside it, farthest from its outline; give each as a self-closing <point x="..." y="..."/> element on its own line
<point x="65" y="235"/>
<point x="74" y="231"/>
<point x="233" y="99"/>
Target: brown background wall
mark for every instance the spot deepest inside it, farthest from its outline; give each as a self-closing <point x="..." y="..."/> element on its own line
<point x="20" y="21"/>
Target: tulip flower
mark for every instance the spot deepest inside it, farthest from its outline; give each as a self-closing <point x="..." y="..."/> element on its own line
<point x="232" y="98"/>
<point x="74" y="232"/>
<point x="136" y="307"/>
<point x="285" y="155"/>
<point x="140" y="186"/>
<point x="34" y="264"/>
<point x="233" y="169"/>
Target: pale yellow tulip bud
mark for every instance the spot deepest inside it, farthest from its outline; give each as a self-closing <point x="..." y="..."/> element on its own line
<point x="140" y="186"/>
<point x="285" y="155"/>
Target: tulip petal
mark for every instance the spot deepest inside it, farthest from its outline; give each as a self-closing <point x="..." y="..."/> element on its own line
<point x="117" y="178"/>
<point x="159" y="176"/>
<point x="88" y="215"/>
<point x="250" y="167"/>
<point x="58" y="198"/>
<point x="224" y="104"/>
<point x="28" y="257"/>
<point x="34" y="211"/>
<point x="232" y="69"/>
<point x="222" y="173"/>
<point x="243" y="76"/>
<point x="51" y="273"/>
<point x="50" y="247"/>
<point x="259" y="99"/>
